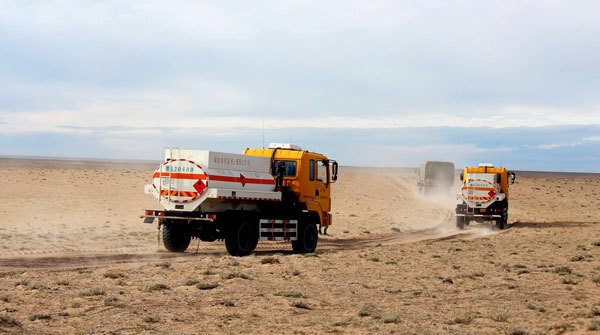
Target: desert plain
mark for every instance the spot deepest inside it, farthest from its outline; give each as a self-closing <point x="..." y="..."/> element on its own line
<point x="75" y="258"/>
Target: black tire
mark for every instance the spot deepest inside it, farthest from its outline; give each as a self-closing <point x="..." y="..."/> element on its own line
<point x="460" y="222"/>
<point x="241" y="238"/>
<point x="308" y="237"/>
<point x="176" y="237"/>
<point x="503" y="221"/>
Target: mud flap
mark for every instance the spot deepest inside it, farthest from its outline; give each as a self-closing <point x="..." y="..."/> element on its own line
<point x="149" y="219"/>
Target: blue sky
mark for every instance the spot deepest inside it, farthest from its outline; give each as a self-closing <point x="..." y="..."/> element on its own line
<point x="377" y="83"/>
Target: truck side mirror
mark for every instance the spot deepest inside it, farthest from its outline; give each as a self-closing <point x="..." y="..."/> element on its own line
<point x="334" y="171"/>
<point x="462" y="176"/>
<point x="511" y="175"/>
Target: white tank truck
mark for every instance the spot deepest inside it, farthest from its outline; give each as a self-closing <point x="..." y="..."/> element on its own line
<point x="277" y="194"/>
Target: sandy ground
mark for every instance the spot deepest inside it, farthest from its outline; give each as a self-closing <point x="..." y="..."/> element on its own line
<point x="76" y="259"/>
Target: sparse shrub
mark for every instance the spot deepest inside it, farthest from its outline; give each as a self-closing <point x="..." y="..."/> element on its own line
<point x="157" y="287"/>
<point x="39" y="316"/>
<point x="373" y="259"/>
<point x="62" y="283"/>
<point x="346" y="231"/>
<point x="227" y="303"/>
<point x="596" y="280"/>
<point x="475" y="274"/>
<point x="111" y="301"/>
<point x="206" y="286"/>
<point x="208" y="272"/>
<point x="397" y="230"/>
<point x="8" y="321"/>
<point x="594" y="325"/>
<point x="531" y="306"/>
<point x="75" y="305"/>
<point x="22" y="282"/>
<point x="391" y="319"/>
<point x="4" y="298"/>
<point x="38" y="286"/>
<point x="114" y="275"/>
<point x="63" y="313"/>
<point x="514" y="330"/>
<point x="501" y="317"/>
<point x="519" y="266"/>
<point x="596" y="244"/>
<point x="448" y="281"/>
<point x="164" y="265"/>
<point x="563" y="270"/>
<point x="191" y="282"/>
<point x="521" y="272"/>
<point x="464" y="319"/>
<point x="595" y="311"/>
<point x="578" y="258"/>
<point x="91" y="292"/>
<point x="367" y="309"/>
<point x="233" y="275"/>
<point x="289" y="294"/>
<point x="561" y="327"/>
<point x="300" y="304"/>
<point x="270" y="260"/>
<point x="150" y="319"/>
<point x="568" y="281"/>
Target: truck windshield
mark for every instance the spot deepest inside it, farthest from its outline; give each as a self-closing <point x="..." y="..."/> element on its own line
<point x="290" y="168"/>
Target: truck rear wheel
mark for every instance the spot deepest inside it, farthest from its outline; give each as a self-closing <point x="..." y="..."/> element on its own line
<point x="308" y="236"/>
<point x="242" y="238"/>
<point x="460" y="222"/>
<point x="176" y="237"/>
<point x="503" y="221"/>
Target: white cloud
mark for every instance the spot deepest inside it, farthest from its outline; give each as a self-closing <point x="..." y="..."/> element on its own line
<point x="569" y="144"/>
<point x="152" y="112"/>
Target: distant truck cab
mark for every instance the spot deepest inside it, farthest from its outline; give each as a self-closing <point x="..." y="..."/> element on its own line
<point x="282" y="193"/>
<point x="484" y="195"/>
<point x="435" y="176"/>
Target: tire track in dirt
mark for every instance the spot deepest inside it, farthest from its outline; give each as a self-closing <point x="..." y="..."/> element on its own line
<point x="326" y="245"/>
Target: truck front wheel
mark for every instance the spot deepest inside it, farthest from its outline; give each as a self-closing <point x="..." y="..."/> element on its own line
<point x="176" y="237"/>
<point x="242" y="238"/>
<point x="308" y="236"/>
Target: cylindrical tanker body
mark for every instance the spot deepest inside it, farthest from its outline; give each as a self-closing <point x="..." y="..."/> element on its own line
<point x="191" y="180"/>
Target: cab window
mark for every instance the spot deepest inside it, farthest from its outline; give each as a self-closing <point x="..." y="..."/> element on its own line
<point x="290" y="168"/>
<point x="311" y="169"/>
<point x="322" y="172"/>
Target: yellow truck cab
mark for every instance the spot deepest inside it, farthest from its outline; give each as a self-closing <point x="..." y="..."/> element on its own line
<point x="307" y="175"/>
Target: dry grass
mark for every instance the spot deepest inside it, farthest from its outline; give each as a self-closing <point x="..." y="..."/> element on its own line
<point x="206" y="286"/>
<point x="92" y="292"/>
<point x="8" y="321"/>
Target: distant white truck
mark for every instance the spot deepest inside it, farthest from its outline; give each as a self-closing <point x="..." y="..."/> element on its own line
<point x="435" y="176"/>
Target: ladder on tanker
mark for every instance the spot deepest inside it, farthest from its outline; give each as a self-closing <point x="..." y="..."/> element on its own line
<point x="163" y="158"/>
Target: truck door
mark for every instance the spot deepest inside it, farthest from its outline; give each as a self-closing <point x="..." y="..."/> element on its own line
<point x="322" y="185"/>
